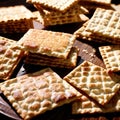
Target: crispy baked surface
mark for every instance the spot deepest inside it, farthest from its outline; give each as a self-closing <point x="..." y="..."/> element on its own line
<point x="104" y="24"/>
<point x="9" y="57"/>
<point x="94" y="81"/>
<point x="111" y="57"/>
<point x="57" y="44"/>
<point x="35" y="93"/>
<point x="85" y="103"/>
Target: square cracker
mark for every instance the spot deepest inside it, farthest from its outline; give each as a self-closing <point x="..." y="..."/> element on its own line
<point x="94" y="81"/>
<point x="56" y="44"/>
<point x="58" y="5"/>
<point x="9" y="57"/>
<point x="105" y="24"/>
<point x="44" y="60"/>
<point x="111" y="57"/>
<point x="35" y="93"/>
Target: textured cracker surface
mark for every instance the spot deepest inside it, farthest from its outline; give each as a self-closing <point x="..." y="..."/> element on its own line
<point x="35" y="93"/>
<point x="105" y="24"/>
<point x="9" y="57"/>
<point x="111" y="57"/>
<point x="57" y="44"/>
<point x="94" y="81"/>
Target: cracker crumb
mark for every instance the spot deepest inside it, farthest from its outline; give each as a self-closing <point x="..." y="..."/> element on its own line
<point x="85" y="51"/>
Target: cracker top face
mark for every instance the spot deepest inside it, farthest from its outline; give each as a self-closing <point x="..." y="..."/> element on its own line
<point x="56" y="44"/>
<point x="35" y="93"/>
<point x="8" y="57"/>
<point x="59" y="5"/>
<point x="94" y="81"/>
<point x="12" y="13"/>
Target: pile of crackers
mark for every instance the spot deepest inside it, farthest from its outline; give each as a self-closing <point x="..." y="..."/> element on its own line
<point x="59" y="12"/>
<point x="88" y="87"/>
<point x="93" y="81"/>
<point x="103" y="27"/>
<point x="49" y="48"/>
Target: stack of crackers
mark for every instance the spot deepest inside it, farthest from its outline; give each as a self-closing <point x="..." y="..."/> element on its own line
<point x="15" y="19"/>
<point x="103" y="27"/>
<point x="88" y="87"/>
<point x="59" y="12"/>
<point x="48" y="48"/>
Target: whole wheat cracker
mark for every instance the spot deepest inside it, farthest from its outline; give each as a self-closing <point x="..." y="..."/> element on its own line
<point x="18" y="12"/>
